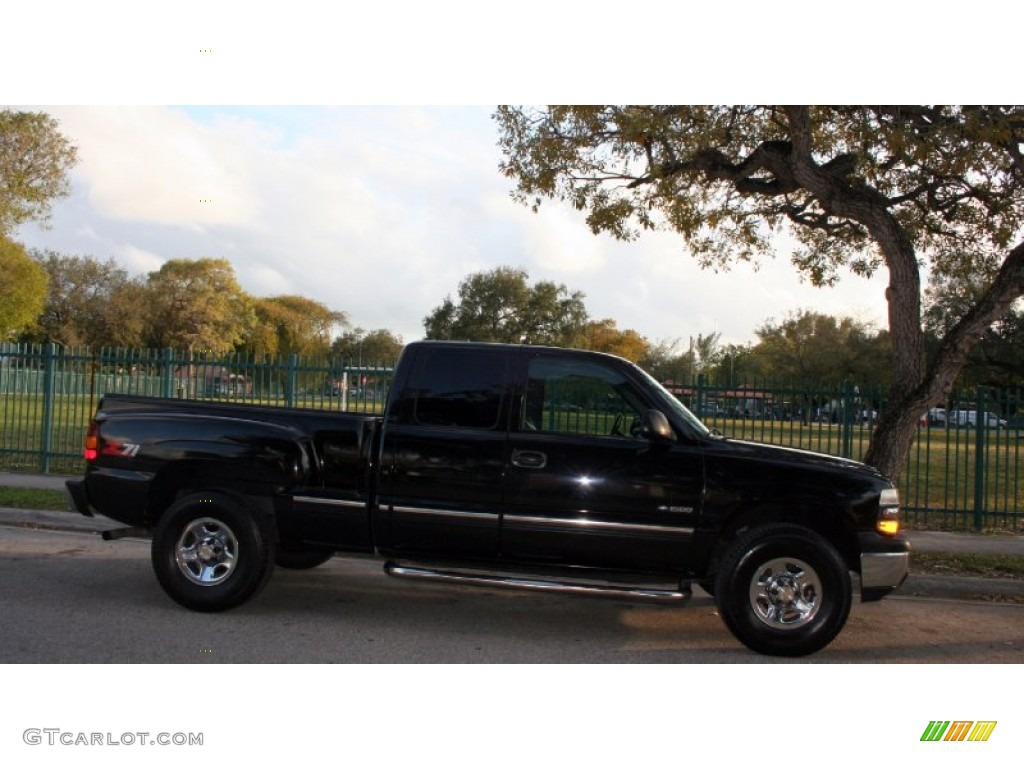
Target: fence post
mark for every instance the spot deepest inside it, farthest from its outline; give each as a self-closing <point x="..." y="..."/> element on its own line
<point x="49" y="395"/>
<point x="846" y="417"/>
<point x="292" y="381"/>
<point x="980" y="454"/>
<point x="167" y="381"/>
<point x="702" y="382"/>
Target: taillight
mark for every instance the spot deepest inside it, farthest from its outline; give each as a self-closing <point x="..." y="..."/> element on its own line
<point x="92" y="442"/>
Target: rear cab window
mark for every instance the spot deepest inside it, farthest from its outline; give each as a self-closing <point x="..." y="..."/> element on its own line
<point x="456" y="388"/>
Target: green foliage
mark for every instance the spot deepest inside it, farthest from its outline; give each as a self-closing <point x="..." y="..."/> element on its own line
<point x="728" y="177"/>
<point x="293" y="325"/>
<point x="22" y="289"/>
<point x="998" y="358"/>
<point x="501" y="306"/>
<point x="368" y="347"/>
<point x="197" y="306"/>
<point x="811" y="346"/>
<point x="89" y="303"/>
<point x="605" y="336"/>
<point x="34" y="162"/>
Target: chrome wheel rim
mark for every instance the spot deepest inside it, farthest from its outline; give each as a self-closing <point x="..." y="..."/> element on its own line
<point x="207" y="552"/>
<point x="785" y="593"/>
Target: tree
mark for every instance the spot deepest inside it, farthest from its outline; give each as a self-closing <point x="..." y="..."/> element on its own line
<point x="858" y="187"/>
<point x="288" y="325"/>
<point x="501" y="306"/>
<point x="22" y="289"/>
<point x="810" y="346"/>
<point x="605" y="336"/>
<point x="379" y="347"/>
<point x="197" y="305"/>
<point x="998" y="358"/>
<point x="89" y="302"/>
<point x="707" y="351"/>
<point x="34" y="161"/>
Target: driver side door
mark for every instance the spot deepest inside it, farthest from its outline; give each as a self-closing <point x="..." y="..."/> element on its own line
<point x="582" y="486"/>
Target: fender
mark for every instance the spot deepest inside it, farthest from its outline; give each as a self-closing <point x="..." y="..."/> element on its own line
<point x="144" y="459"/>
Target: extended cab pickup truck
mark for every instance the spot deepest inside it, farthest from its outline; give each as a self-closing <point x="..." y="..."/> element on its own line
<point x="515" y="465"/>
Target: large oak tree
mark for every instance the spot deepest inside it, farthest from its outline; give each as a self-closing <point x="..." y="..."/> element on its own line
<point x="904" y="188"/>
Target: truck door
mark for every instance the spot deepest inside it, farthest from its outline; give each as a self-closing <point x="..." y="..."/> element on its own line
<point x="583" y="487"/>
<point x="443" y="455"/>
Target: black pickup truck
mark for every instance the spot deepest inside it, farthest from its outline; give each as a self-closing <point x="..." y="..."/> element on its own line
<point x="492" y="464"/>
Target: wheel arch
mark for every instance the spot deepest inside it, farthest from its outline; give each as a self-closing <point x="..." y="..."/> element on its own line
<point x="828" y="522"/>
<point x="182" y="478"/>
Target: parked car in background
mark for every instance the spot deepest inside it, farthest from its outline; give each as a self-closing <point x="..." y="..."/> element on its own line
<point x="940" y="417"/>
<point x="972" y="419"/>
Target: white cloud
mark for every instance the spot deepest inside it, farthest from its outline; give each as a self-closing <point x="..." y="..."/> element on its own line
<point x="137" y="260"/>
<point x="155" y="165"/>
<point x="380" y="212"/>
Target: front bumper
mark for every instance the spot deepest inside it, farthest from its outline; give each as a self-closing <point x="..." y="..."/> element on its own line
<point x="884" y="565"/>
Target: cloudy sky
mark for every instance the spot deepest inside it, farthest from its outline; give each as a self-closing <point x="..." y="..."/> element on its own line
<point x="380" y="212"/>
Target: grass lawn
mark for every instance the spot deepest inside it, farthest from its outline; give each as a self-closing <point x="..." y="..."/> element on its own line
<point x="948" y="564"/>
<point x="32" y="498"/>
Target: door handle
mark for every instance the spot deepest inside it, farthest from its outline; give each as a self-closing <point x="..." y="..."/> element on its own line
<point x="529" y="459"/>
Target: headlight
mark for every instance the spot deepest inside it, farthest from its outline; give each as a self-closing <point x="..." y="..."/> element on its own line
<point x="888" y="512"/>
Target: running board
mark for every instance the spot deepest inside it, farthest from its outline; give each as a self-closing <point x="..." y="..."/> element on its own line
<point x="541" y="585"/>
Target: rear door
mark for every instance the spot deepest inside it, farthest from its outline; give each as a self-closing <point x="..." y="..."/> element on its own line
<point x="443" y="454"/>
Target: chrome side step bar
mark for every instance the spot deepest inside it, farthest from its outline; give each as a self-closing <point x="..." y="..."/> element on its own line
<point x="392" y="568"/>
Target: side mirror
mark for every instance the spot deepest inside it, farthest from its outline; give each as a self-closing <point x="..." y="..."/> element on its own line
<point x="655" y="426"/>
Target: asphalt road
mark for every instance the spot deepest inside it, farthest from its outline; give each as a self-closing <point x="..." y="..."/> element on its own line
<point x="69" y="596"/>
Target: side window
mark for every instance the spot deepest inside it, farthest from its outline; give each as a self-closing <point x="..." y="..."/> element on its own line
<point x="580" y="397"/>
<point x="458" y="388"/>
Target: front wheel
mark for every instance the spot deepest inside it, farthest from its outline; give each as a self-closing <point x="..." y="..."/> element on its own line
<point x="212" y="551"/>
<point x="783" y="590"/>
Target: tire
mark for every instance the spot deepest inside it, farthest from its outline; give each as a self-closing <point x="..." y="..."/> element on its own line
<point x="783" y="590"/>
<point x="301" y="559"/>
<point x="212" y="551"/>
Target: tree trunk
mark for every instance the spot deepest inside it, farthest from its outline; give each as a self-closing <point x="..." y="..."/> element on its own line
<point x="891" y="442"/>
<point x="916" y="386"/>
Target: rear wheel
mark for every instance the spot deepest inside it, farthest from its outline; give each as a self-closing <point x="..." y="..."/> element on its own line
<point x="783" y="590"/>
<point x="212" y="551"/>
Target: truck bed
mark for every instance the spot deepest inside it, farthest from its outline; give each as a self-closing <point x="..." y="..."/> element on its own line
<point x="146" y="444"/>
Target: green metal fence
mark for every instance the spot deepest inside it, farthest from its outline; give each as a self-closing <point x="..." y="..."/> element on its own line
<point x="48" y="394"/>
<point x="964" y="470"/>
